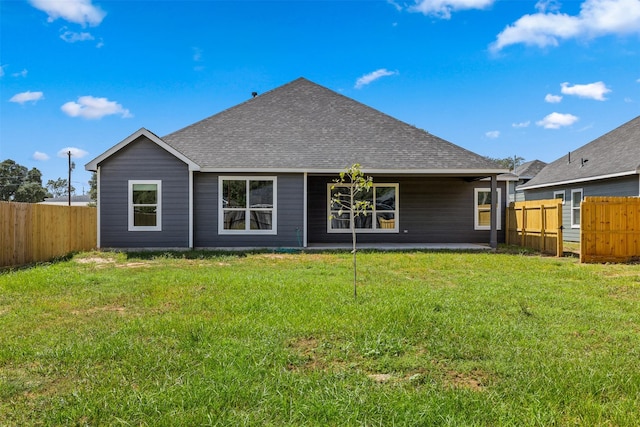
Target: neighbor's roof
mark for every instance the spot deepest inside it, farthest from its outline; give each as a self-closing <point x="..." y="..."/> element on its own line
<point x="530" y="169"/>
<point x="614" y="154"/>
<point x="304" y="127"/>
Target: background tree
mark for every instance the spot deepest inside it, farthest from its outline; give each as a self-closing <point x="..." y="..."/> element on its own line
<point x="351" y="201"/>
<point x="59" y="187"/>
<point x="19" y="184"/>
<point x="510" y="163"/>
<point x="30" y="192"/>
<point x="93" y="189"/>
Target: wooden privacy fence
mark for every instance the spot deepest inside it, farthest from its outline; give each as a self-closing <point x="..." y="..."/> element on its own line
<point x="609" y="229"/>
<point x="36" y="232"/>
<point x="536" y="224"/>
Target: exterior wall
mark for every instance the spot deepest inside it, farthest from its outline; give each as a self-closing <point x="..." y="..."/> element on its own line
<point x="625" y="186"/>
<point x="290" y="217"/>
<point x="143" y="160"/>
<point x="431" y="210"/>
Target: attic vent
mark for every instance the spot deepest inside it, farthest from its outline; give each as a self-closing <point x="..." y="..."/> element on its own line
<point x="254" y="94"/>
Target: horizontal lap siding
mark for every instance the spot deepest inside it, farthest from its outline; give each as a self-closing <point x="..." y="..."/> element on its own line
<point x="618" y="187"/>
<point x="431" y="210"/>
<point x="143" y="160"/>
<point x="290" y="190"/>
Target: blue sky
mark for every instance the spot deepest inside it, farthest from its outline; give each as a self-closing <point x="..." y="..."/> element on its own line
<point x="534" y="79"/>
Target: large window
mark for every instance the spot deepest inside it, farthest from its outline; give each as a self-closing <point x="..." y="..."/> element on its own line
<point x="382" y="217"/>
<point x="145" y="207"/>
<point x="247" y="205"/>
<point x="482" y="209"/>
<point x="576" y="199"/>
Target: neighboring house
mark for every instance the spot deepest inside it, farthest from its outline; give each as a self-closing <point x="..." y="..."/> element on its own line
<point x="521" y="175"/>
<point x="607" y="166"/>
<point x="260" y="174"/>
<point x="82" y="200"/>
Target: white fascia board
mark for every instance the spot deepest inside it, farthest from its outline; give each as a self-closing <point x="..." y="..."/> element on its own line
<point x="93" y="164"/>
<point x="471" y="172"/>
<point x="576" y="181"/>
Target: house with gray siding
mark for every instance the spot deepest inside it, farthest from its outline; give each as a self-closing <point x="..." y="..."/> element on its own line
<point x="260" y="174"/>
<point x="606" y="166"/>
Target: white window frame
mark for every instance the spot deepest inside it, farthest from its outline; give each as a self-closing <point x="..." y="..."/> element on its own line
<point x="560" y="193"/>
<point x="158" y="205"/>
<point x="574" y="208"/>
<point x="374" y="226"/>
<point x="248" y="209"/>
<point x="476" y="217"/>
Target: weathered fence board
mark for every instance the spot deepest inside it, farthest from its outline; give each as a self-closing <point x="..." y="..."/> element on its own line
<point x="536" y="224"/>
<point x="36" y="232"/>
<point x="609" y="229"/>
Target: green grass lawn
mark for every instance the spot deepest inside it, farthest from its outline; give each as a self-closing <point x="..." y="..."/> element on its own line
<point x="278" y="339"/>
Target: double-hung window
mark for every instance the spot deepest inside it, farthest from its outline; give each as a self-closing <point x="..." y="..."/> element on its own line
<point x="576" y="199"/>
<point x="247" y="205"/>
<point x="145" y="205"/>
<point x="482" y="209"/>
<point x="381" y="217"/>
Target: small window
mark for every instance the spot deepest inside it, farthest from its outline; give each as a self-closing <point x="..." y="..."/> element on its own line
<point x="482" y="210"/>
<point x="559" y="195"/>
<point x="381" y="218"/>
<point x="145" y="207"/>
<point x="247" y="205"/>
<point x="576" y="199"/>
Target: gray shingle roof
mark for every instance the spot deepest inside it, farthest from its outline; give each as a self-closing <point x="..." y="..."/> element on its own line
<point x="617" y="152"/>
<point x="530" y="169"/>
<point x="304" y="126"/>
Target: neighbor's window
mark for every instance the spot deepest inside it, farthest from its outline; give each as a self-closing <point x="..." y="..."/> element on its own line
<point x="576" y="198"/>
<point x="559" y="195"/>
<point x="482" y="211"/>
<point x="247" y="205"/>
<point x="382" y="217"/>
<point x="145" y="208"/>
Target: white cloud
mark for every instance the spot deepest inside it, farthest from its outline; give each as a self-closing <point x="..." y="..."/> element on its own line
<point x="27" y="96"/>
<point x="443" y="8"/>
<point x="77" y="11"/>
<point x="2" y="71"/>
<point x="371" y="77"/>
<point x="548" y="26"/>
<point x="72" y="36"/>
<point x="492" y="134"/>
<point x="521" y="124"/>
<point x="557" y="120"/>
<point x="552" y="99"/>
<point x="76" y="153"/>
<point x="22" y="73"/>
<point x="40" y="156"/>
<point x="595" y="90"/>
<point x="89" y="107"/>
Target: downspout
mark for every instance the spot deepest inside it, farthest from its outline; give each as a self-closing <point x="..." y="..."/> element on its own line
<point x="493" y="239"/>
<point x="190" y="209"/>
<point x="304" y="211"/>
<point x="98" y="207"/>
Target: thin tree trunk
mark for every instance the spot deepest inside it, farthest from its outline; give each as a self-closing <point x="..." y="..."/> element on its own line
<point x="353" y="240"/>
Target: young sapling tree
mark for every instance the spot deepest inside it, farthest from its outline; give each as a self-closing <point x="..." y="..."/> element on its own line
<point x="349" y="197"/>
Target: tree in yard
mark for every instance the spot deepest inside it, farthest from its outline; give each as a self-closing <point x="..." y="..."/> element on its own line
<point x="19" y="184"/>
<point x="59" y="187"/>
<point x="349" y="199"/>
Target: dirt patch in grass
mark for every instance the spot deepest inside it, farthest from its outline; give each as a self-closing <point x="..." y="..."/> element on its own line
<point x="475" y="380"/>
<point x="105" y="309"/>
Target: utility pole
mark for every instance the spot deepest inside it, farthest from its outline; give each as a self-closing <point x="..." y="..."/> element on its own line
<point x="69" y="188"/>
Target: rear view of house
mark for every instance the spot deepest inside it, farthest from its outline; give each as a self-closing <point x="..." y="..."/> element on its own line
<point x="260" y="174"/>
<point x="606" y="166"/>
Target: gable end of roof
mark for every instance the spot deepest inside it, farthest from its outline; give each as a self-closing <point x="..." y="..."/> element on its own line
<point x="92" y="166"/>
